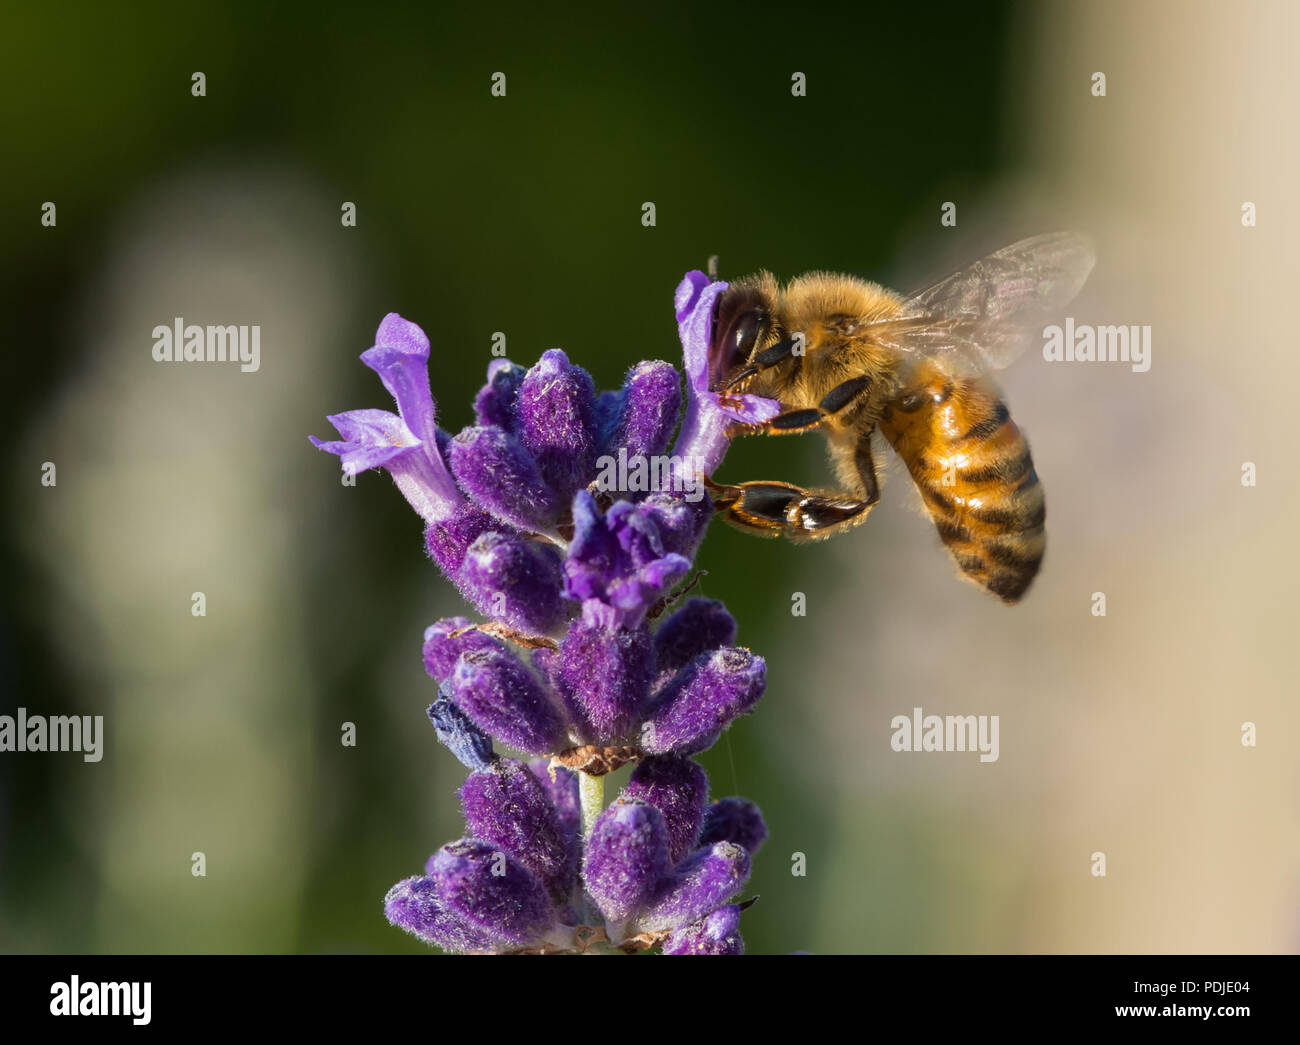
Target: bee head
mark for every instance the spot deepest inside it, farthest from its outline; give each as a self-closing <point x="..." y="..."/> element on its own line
<point x="741" y="322"/>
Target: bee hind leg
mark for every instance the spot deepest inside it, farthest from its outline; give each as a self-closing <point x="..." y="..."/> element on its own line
<point x="776" y="509"/>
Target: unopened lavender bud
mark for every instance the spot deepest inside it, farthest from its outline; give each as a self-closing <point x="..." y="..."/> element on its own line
<point x="491" y="891"/>
<point x="413" y="904"/>
<point x="495" y="403"/>
<point x="505" y="700"/>
<point x="704" y="697"/>
<point x="605" y="674"/>
<point x="514" y="580"/>
<point x="703" y="881"/>
<point x="626" y="858"/>
<point x="681" y="522"/>
<point x="678" y="788"/>
<point x="557" y="422"/>
<point x="441" y="649"/>
<point x="449" y="539"/>
<point x="718" y="933"/>
<point x="496" y="472"/>
<point x="650" y="403"/>
<point x="506" y="806"/>
<point x="734" y="820"/>
<point x="700" y="626"/>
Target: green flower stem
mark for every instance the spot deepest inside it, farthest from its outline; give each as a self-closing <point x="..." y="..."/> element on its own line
<point x="591" y="796"/>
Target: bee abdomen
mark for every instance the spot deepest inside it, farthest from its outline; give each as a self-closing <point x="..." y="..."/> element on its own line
<point x="973" y="468"/>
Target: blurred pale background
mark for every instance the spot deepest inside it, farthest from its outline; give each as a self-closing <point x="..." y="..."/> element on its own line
<point x="1118" y="734"/>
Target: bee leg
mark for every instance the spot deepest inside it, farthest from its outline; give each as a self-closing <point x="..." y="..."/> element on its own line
<point x="775" y="509"/>
<point x="795" y="422"/>
<point x="765" y="360"/>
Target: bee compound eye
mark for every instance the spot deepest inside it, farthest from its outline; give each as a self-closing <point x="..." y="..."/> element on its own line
<point x="911" y="402"/>
<point x="748" y="328"/>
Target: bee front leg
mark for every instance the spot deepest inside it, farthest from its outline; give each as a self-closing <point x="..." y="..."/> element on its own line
<point x="776" y="509"/>
<point x="836" y="403"/>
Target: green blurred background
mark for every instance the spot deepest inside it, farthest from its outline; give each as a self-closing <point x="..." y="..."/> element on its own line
<point x="523" y="215"/>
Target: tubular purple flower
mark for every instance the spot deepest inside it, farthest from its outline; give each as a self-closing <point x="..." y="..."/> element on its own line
<point x="378" y="439"/>
<point x="413" y="904"/>
<point x="703" y="881"/>
<point x="702" y="700"/>
<point x="719" y="933"/>
<point x="504" y="699"/>
<point x="491" y="891"/>
<point x="703" y="438"/>
<point x="400" y="356"/>
<point x="506" y="806"/>
<point x="678" y="788"/>
<point x="626" y="858"/>
<point x="735" y="820"/>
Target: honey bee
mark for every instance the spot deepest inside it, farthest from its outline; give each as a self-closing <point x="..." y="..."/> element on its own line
<point x="847" y="358"/>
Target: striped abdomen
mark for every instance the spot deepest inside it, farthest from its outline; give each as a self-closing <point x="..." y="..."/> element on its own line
<point x="972" y="466"/>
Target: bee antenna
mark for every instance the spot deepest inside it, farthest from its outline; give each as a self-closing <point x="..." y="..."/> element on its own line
<point x="712" y="267"/>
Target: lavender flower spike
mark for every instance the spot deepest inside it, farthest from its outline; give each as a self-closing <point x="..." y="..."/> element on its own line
<point x="576" y="661"/>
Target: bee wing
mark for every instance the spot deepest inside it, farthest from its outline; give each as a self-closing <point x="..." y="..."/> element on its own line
<point x="987" y="313"/>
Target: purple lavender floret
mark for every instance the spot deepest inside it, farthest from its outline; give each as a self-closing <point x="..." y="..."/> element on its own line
<point x="583" y="658"/>
<point x="719" y="933"/>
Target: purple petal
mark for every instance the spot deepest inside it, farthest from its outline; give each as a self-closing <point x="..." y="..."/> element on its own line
<point x="400" y="357"/>
<point x="376" y="438"/>
<point x="693" y="302"/>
